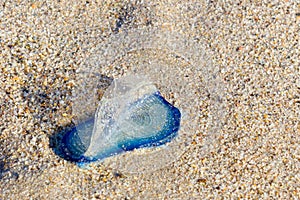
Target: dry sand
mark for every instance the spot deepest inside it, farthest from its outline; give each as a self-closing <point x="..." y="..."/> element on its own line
<point x="255" y="47"/>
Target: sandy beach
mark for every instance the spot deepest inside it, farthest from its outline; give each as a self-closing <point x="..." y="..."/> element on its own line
<point x="242" y="96"/>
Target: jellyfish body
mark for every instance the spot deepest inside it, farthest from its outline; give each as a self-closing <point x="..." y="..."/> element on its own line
<point x="132" y="114"/>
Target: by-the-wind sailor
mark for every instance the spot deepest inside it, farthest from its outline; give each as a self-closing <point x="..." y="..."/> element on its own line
<point x="132" y="114"/>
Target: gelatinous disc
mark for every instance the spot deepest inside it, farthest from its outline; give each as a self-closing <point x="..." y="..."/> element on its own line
<point x="181" y="70"/>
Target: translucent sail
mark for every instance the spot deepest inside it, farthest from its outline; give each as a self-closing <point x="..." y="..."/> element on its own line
<point x="131" y="114"/>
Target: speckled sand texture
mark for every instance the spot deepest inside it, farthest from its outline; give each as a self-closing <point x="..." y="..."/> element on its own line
<point x="255" y="47"/>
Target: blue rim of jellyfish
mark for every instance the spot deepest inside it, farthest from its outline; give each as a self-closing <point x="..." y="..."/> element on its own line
<point x="73" y="149"/>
